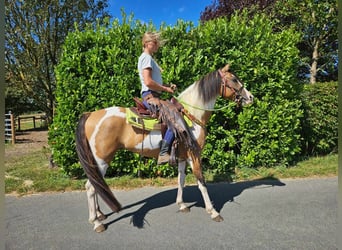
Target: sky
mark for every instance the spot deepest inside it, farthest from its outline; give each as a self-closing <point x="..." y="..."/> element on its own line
<point x="159" y="11"/>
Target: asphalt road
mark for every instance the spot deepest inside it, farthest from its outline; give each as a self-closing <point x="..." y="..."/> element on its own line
<point x="277" y="214"/>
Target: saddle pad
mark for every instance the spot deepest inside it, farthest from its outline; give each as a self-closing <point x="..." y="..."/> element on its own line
<point x="145" y="123"/>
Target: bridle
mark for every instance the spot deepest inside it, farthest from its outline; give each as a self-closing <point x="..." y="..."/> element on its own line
<point x="236" y="92"/>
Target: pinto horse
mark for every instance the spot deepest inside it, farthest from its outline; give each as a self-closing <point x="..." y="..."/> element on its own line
<point x="101" y="133"/>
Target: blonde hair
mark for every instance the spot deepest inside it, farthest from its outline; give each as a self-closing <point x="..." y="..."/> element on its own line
<point x="152" y="37"/>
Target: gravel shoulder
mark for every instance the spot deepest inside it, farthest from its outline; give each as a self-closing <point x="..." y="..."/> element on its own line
<point x="26" y="143"/>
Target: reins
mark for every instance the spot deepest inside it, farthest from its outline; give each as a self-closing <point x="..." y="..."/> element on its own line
<point x="192" y="118"/>
<point x="199" y="108"/>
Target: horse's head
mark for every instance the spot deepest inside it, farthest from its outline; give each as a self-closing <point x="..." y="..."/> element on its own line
<point x="232" y="87"/>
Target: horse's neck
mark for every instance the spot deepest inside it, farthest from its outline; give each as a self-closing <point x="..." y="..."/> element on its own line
<point x="192" y="101"/>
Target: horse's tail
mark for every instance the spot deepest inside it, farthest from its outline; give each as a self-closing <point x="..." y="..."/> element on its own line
<point x="91" y="168"/>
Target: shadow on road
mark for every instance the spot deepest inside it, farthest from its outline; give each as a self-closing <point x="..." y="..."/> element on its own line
<point x="220" y="194"/>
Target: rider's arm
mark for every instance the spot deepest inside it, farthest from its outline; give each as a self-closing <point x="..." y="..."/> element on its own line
<point x="153" y="85"/>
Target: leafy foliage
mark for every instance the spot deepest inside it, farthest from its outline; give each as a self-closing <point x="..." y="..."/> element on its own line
<point x="97" y="70"/>
<point x="270" y="134"/>
<point x="320" y="121"/>
<point x="224" y="8"/>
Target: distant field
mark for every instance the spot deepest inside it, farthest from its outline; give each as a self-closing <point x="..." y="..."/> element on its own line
<point x="32" y="121"/>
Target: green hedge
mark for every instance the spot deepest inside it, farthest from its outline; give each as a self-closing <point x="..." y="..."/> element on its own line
<point x="98" y="69"/>
<point x="320" y="121"/>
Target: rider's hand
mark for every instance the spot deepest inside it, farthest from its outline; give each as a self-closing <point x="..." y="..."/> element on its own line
<point x="170" y="88"/>
<point x="173" y="86"/>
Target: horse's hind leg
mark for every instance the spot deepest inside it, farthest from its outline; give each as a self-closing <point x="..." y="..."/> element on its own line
<point x="95" y="215"/>
<point x="181" y="182"/>
<point x="99" y="215"/>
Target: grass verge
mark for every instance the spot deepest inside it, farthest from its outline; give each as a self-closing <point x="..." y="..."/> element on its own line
<point x="31" y="174"/>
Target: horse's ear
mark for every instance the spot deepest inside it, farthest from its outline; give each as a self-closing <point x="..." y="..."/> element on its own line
<point x="226" y="68"/>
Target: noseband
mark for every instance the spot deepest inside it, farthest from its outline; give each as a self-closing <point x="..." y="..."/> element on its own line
<point x="236" y="92"/>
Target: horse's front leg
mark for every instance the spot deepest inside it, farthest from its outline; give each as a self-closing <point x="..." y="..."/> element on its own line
<point x="181" y="182"/>
<point x="197" y="170"/>
<point x="95" y="215"/>
<point x="208" y="205"/>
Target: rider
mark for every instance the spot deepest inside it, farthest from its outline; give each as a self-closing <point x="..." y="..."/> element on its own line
<point x="152" y="85"/>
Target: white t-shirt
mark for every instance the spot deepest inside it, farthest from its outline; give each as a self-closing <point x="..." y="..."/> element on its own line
<point x="146" y="61"/>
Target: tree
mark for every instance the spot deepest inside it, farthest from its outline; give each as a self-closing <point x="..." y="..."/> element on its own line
<point x="226" y="8"/>
<point x="34" y="33"/>
<point x="316" y="20"/>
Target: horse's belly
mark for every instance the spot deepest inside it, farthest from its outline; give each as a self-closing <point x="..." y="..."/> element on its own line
<point x="146" y="145"/>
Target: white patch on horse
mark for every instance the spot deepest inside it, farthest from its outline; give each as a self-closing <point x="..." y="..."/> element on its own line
<point x="196" y="130"/>
<point x="151" y="141"/>
<point x="191" y="96"/>
<point x="111" y="111"/>
<point x="114" y="111"/>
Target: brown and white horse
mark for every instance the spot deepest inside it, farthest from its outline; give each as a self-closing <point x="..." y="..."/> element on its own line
<point x="101" y="133"/>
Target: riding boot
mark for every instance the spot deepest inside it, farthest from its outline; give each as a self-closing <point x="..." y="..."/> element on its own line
<point x="164" y="155"/>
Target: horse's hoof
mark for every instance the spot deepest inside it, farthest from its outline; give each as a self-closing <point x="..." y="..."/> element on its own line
<point x="100" y="229"/>
<point x="185" y="210"/>
<point x="218" y="218"/>
<point x="101" y="217"/>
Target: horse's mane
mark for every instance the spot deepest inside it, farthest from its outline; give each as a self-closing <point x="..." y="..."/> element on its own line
<point x="203" y="93"/>
<point x="209" y="86"/>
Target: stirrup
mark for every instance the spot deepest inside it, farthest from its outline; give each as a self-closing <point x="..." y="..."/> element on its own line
<point x="162" y="159"/>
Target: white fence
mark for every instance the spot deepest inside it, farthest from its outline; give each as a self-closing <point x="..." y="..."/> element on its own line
<point x="9" y="128"/>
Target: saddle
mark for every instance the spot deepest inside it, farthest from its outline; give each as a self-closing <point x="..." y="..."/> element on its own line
<point x="170" y="115"/>
<point x="141" y="111"/>
<point x="146" y="119"/>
